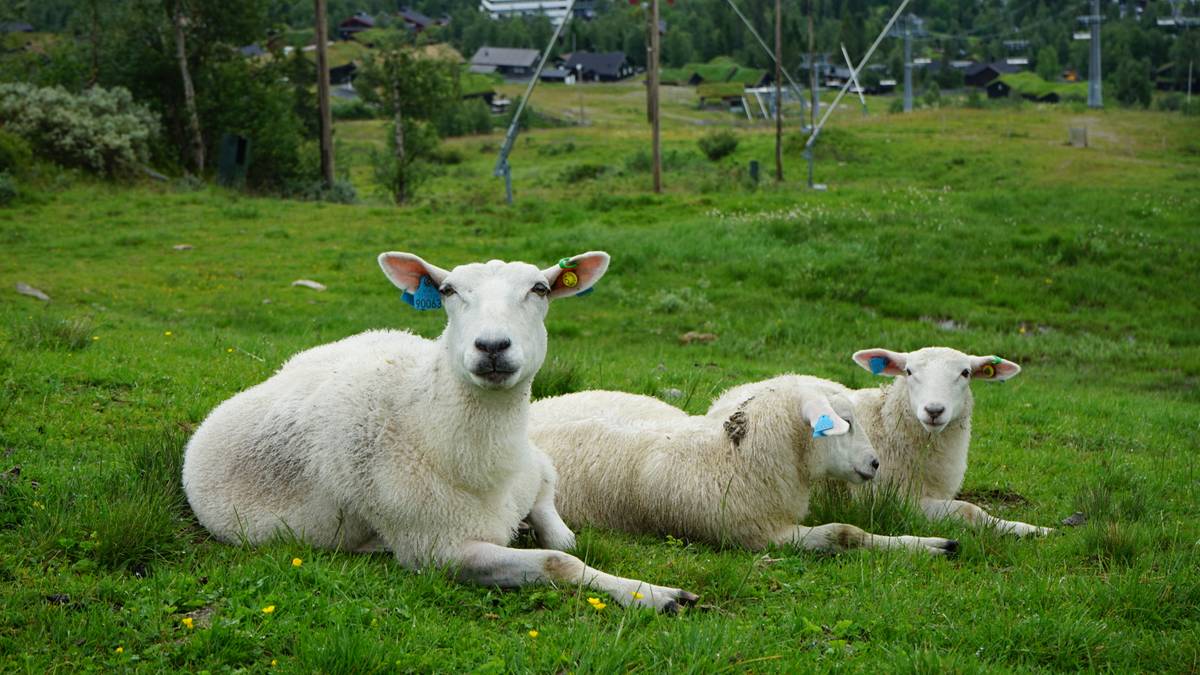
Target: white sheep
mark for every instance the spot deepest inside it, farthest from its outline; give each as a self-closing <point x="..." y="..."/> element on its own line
<point x="388" y="441"/>
<point x="921" y="427"/>
<point x="741" y="474"/>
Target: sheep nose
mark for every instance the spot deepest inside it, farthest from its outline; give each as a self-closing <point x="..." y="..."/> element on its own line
<point x="934" y="410"/>
<point x="875" y="464"/>
<point x="492" y="347"/>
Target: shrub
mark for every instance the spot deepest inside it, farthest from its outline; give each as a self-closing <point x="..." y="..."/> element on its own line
<point x="465" y="118"/>
<point x="576" y="173"/>
<point x="101" y="129"/>
<point x="15" y="153"/>
<point x="897" y="105"/>
<point x="357" y="109"/>
<point x="933" y="95"/>
<point x="974" y="99"/>
<point x="401" y="178"/>
<point x="718" y="145"/>
<point x="341" y="192"/>
<point x="8" y="189"/>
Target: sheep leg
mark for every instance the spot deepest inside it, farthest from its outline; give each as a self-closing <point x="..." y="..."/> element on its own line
<point x="549" y="527"/>
<point x="841" y="537"/>
<point x="491" y="565"/>
<point x="973" y="515"/>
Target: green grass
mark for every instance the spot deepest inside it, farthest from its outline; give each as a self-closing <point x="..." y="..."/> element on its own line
<point x="1031" y="84"/>
<point x="981" y="230"/>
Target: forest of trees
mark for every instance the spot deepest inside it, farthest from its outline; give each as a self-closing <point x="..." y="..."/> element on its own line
<point x="143" y="45"/>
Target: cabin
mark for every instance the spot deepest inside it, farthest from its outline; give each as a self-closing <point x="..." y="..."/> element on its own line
<point x="558" y="76"/>
<point x="599" y="67"/>
<point x="511" y="63"/>
<point x="355" y="25"/>
<point x="343" y="74"/>
<point x="982" y="74"/>
<point x="418" y="22"/>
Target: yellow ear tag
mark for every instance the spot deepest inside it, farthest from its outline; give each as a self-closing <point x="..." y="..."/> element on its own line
<point x="569" y="279"/>
<point x="989" y="371"/>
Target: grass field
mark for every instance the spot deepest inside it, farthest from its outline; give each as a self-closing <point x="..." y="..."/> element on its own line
<point x="980" y="230"/>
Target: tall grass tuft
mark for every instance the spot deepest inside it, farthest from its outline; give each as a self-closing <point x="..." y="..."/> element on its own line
<point x="45" y="331"/>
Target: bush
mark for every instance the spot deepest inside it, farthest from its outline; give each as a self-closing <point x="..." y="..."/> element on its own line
<point x="897" y="104"/>
<point x="8" y="189"/>
<point x="974" y="99"/>
<point x="357" y="109"/>
<point x="576" y="173"/>
<point x="15" y="153"/>
<point x="718" y="145"/>
<point x="933" y="95"/>
<point x="341" y="192"/>
<point x="398" y="178"/>
<point x="101" y="129"/>
<point x="464" y="119"/>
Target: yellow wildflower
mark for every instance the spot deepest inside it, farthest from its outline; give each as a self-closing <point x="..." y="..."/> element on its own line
<point x="187" y="622"/>
<point x="119" y="650"/>
<point x="95" y="337"/>
<point x="268" y="609"/>
<point x="636" y="595"/>
<point x="296" y="562"/>
<point x="533" y="633"/>
<point x="230" y="350"/>
<point x="592" y="601"/>
<point x="274" y="663"/>
<point x="167" y="333"/>
<point x="598" y="606"/>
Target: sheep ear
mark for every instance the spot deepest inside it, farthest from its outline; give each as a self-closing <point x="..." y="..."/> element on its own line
<point x="882" y="361"/>
<point x="576" y="275"/>
<point x="993" y="368"/>
<point x="822" y="418"/>
<point x="405" y="270"/>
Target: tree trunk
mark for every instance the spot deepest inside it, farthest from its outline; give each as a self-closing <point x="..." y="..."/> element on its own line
<point x="778" y="91"/>
<point x="652" y="69"/>
<point x="94" y="5"/>
<point x="399" y="191"/>
<point x="323" y="95"/>
<point x="189" y="92"/>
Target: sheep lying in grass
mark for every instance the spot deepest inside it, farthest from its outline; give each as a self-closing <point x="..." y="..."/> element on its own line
<point x="389" y="441"/>
<point x="921" y="426"/>
<point x="741" y="473"/>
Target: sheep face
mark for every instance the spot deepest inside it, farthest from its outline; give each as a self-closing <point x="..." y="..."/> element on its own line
<point x="496" y="333"/>
<point x="841" y="448"/>
<point x="937" y="379"/>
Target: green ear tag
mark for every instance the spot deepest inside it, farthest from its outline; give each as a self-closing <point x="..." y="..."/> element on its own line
<point x="568" y="264"/>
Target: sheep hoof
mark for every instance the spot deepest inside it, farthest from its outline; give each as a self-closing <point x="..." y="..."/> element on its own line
<point x="687" y="598"/>
<point x="951" y="548"/>
<point x="671" y="608"/>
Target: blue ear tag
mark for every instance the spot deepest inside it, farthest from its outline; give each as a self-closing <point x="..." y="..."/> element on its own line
<point x="878" y="364"/>
<point x="823" y="424"/>
<point x="580" y="294"/>
<point x="426" y="297"/>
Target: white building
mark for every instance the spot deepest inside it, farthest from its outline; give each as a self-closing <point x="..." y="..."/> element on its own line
<point x="555" y="9"/>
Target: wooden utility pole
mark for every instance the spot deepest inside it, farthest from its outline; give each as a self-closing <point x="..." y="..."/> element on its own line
<point x="778" y="91"/>
<point x="189" y="92"/>
<point x="812" y="70"/>
<point x="323" y="95"/>
<point x="652" y="68"/>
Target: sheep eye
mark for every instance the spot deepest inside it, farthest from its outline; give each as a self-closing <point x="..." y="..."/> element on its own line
<point x="447" y="290"/>
<point x="966" y="372"/>
<point x="539" y="289"/>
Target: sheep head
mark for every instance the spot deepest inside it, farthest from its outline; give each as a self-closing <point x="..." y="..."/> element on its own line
<point x="496" y="311"/>
<point x="937" y="379"/>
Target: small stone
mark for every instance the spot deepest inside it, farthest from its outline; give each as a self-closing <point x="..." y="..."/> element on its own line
<point x="693" y="336"/>
<point x="309" y="283"/>
<point x="26" y="289"/>
<point x="1075" y="519"/>
<point x="183" y="247"/>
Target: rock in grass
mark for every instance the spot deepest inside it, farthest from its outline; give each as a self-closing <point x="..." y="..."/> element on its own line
<point x="692" y="336"/>
<point x="1075" y="519"/>
<point x="309" y="283"/>
<point x="26" y="289"/>
<point x="183" y="247"/>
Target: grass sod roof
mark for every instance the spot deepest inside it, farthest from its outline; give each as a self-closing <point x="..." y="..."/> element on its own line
<point x="474" y="84"/>
<point x="719" y="89"/>
<point x="1030" y="84"/>
<point x="748" y="76"/>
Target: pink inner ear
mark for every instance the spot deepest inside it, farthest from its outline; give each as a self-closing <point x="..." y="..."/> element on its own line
<point x="405" y="273"/>
<point x="585" y="271"/>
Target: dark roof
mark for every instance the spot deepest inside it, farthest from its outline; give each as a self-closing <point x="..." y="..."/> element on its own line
<point x="252" y="50"/>
<point x="504" y="57"/>
<point x="555" y="74"/>
<point x="416" y="18"/>
<point x="16" y="27"/>
<point x="607" y="63"/>
<point x="359" y="19"/>
<point x="998" y="66"/>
